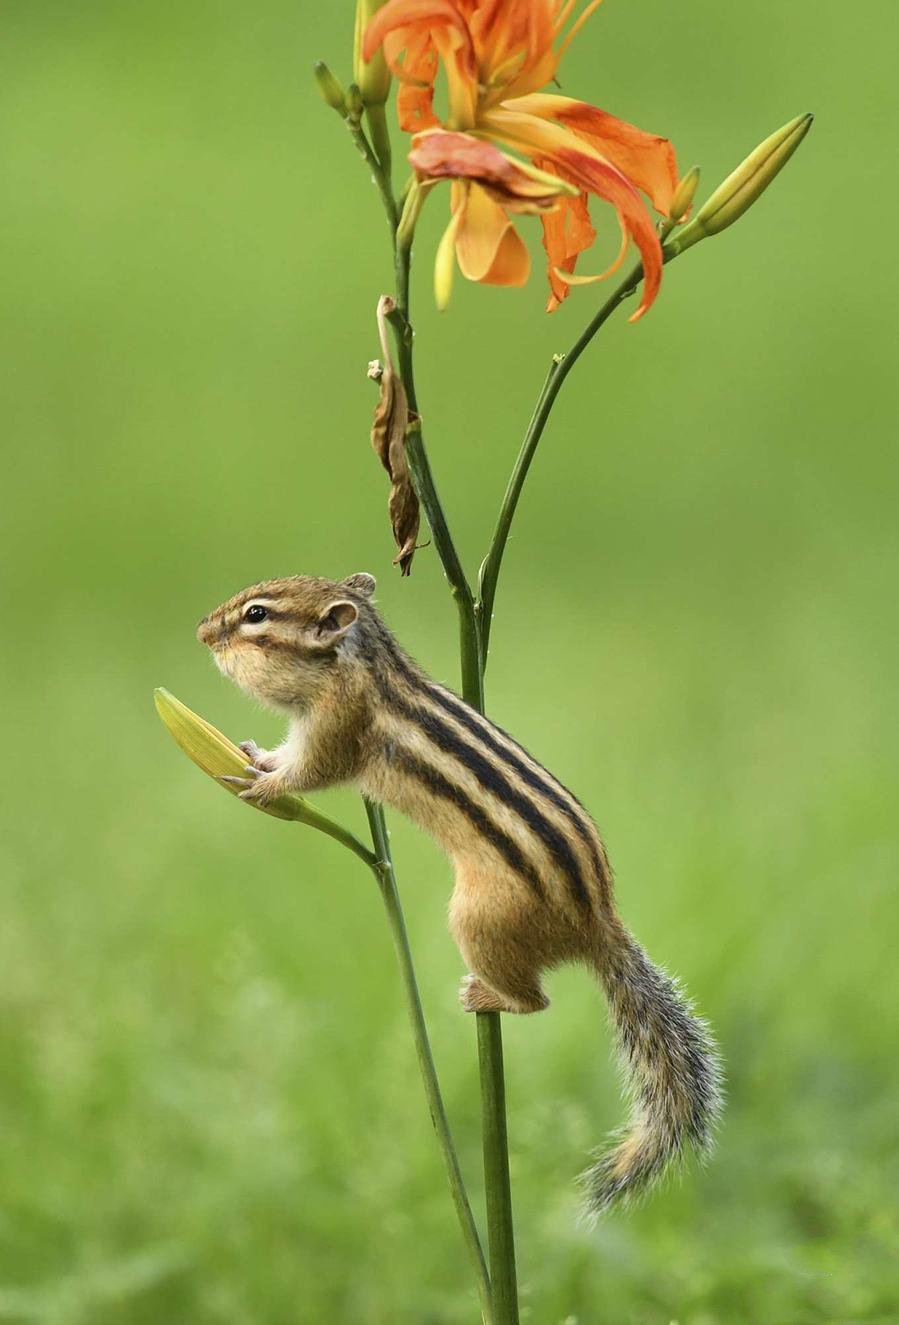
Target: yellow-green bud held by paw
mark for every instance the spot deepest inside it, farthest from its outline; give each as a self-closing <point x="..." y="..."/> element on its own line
<point x="215" y="754"/>
<point x="741" y="188"/>
<point x="221" y="758"/>
<point x="329" y="87"/>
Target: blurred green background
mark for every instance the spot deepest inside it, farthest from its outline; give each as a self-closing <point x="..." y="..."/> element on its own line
<point x="209" y="1103"/>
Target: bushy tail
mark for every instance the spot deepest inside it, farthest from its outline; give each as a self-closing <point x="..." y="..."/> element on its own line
<point x="672" y="1070"/>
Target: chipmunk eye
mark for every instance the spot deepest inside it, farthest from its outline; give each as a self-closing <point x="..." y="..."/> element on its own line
<point x="255" y="613"/>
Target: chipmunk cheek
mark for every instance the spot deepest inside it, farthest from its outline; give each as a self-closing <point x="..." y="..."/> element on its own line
<point x="222" y="661"/>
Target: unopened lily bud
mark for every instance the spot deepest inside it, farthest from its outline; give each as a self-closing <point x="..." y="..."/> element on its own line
<point x="228" y="765"/>
<point x="329" y="87"/>
<point x="684" y="195"/>
<point x="741" y="189"/>
<point x="412" y="205"/>
<point x="354" y="103"/>
<point x="216" y="755"/>
<point x="372" y="76"/>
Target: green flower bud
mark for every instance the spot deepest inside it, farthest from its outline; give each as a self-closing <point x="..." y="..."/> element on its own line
<point x="354" y="103"/>
<point x="741" y="189"/>
<point x="684" y="195"/>
<point x="372" y="76"/>
<point x="331" y="91"/>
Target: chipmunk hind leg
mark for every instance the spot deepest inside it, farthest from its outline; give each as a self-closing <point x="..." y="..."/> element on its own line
<point x="489" y="921"/>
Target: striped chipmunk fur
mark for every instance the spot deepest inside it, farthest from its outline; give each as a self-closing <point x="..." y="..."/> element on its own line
<point x="533" y="887"/>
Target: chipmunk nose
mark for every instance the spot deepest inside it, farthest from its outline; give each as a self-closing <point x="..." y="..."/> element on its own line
<point x="206" y="631"/>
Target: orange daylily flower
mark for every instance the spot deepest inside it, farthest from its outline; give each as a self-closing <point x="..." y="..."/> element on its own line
<point x="496" y="55"/>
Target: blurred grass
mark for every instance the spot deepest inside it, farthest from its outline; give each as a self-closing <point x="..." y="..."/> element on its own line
<point x="208" y="1098"/>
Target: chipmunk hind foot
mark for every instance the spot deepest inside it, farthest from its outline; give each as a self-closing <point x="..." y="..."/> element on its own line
<point x="476" y="995"/>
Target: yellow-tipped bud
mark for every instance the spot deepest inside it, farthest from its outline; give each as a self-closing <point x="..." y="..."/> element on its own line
<point x="216" y="755"/>
<point x="413" y="202"/>
<point x="684" y="195"/>
<point x="445" y="263"/>
<point x="221" y="758"/>
<point x="372" y="76"/>
<point x="329" y="87"/>
<point x="741" y="189"/>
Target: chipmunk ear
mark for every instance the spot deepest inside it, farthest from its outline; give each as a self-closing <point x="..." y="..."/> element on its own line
<point x="334" y="622"/>
<point x="362" y="583"/>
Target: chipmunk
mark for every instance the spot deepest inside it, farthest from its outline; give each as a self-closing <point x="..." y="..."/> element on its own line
<point x="533" y="886"/>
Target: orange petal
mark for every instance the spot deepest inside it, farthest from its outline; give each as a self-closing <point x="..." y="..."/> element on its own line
<point x="647" y="160"/>
<point x="414" y="108"/>
<point x="417" y="26"/>
<point x="488" y="248"/>
<point x="512" y="264"/>
<point x="414" y="99"/>
<point x="567" y="231"/>
<point x="566" y="276"/>
<point x="579" y="162"/>
<point x="603" y="179"/>
<point x="396" y="14"/>
<point x="456" y="52"/>
<point x="444" y="154"/>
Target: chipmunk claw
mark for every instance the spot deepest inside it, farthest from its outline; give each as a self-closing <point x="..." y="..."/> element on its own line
<point x="257" y="786"/>
<point x="245" y="783"/>
<point x="263" y="760"/>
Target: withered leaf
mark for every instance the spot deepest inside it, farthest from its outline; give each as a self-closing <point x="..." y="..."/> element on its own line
<point x="388" y="437"/>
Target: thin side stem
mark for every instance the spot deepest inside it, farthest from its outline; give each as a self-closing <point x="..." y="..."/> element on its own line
<point x="331" y="828"/>
<point x="560" y="368"/>
<point x="383" y="871"/>
<point x="380" y="180"/>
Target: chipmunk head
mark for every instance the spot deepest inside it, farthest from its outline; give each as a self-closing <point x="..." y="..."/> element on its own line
<point x="278" y="640"/>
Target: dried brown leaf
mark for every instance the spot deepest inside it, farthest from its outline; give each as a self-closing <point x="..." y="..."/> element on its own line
<point x="388" y="438"/>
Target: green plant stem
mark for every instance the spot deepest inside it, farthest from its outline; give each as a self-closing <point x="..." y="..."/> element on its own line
<point x="498" y="1186"/>
<point x="382" y="868"/>
<point x="325" y="824"/>
<point x="469" y="643"/>
<point x="559" y="369"/>
<point x="426" y="488"/>
<point x="561" y="366"/>
<point x="379" y="178"/>
<point x="503" y="1289"/>
<point x="497" y="1183"/>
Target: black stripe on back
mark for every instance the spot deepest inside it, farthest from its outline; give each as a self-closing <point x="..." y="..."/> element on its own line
<point x="491" y="779"/>
<point x="440" y="786"/>
<point x="484" y="729"/>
